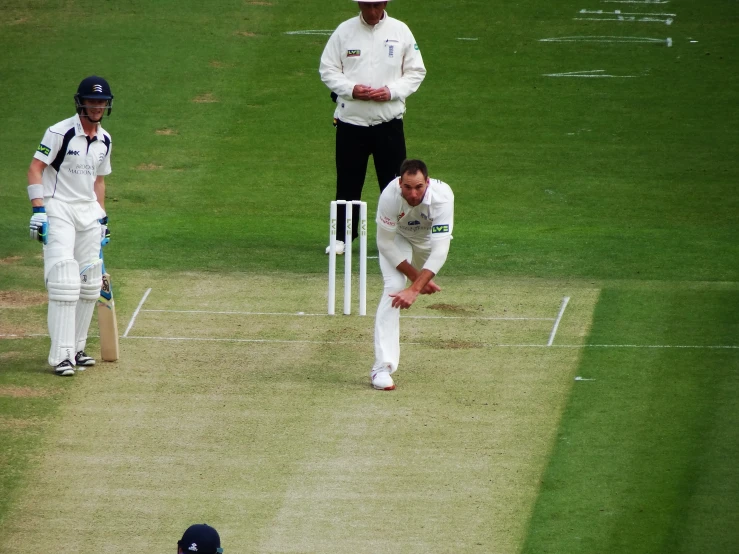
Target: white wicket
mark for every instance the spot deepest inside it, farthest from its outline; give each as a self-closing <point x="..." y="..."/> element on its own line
<point x="348" y="257"/>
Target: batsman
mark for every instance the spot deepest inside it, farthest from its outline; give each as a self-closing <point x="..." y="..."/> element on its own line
<point x="66" y="186"/>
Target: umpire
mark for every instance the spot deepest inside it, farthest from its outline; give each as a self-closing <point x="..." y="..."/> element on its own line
<point x="372" y="64"/>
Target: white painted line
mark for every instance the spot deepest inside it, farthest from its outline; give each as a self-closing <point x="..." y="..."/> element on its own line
<point x="311" y="32"/>
<point x="486" y="345"/>
<point x="565" y="300"/>
<point x="136" y="313"/>
<point x="465" y="38"/>
<point x="636" y="1"/>
<point x="583" y="379"/>
<point x="303" y="314"/>
<point x="619" y="12"/>
<point x="592" y="74"/>
<point x="613" y="39"/>
<point x="265" y="341"/>
<point x="627" y="19"/>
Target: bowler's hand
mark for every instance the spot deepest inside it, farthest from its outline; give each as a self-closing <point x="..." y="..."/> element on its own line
<point x="404" y="299"/>
<point x="430" y="288"/>
<point x="380" y="94"/>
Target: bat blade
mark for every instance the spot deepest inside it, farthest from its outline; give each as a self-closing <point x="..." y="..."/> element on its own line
<point x="107" y="323"/>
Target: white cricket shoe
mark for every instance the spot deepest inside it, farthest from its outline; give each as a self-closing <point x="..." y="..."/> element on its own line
<point x="381" y="380"/>
<point x="82" y="360"/>
<point x="339" y="248"/>
<point x="64" y="369"/>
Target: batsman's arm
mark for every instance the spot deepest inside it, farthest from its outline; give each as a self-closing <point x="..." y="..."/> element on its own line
<point x="35" y="175"/>
<point x="100" y="190"/>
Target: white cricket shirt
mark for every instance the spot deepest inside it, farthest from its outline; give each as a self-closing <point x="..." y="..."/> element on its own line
<point x="385" y="54"/>
<point x="73" y="161"/>
<point x="432" y="219"/>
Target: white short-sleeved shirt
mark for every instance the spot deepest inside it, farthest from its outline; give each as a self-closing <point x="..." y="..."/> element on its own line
<point x="73" y="161"/>
<point x="432" y="219"/>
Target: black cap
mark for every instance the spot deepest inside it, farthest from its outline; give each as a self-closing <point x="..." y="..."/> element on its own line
<point x="94" y="87"/>
<point x="200" y="538"/>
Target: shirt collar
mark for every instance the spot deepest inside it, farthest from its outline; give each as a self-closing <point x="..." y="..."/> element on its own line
<point x="79" y="130"/>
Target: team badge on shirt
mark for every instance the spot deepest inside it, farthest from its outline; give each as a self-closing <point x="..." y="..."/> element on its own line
<point x="45" y="150"/>
<point x="353" y="53"/>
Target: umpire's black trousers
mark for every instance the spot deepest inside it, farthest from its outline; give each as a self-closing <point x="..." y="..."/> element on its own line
<point x="354" y="144"/>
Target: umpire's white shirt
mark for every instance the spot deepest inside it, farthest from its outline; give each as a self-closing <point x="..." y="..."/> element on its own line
<point x="432" y="219"/>
<point x="73" y="161"/>
<point x="385" y="54"/>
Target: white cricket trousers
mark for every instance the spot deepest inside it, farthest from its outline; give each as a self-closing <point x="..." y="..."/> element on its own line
<point x="72" y="274"/>
<point x="387" y="320"/>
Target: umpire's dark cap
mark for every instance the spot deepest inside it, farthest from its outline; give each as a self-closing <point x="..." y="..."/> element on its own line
<point x="200" y="538"/>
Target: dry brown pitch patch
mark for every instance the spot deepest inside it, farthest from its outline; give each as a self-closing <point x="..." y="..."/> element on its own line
<point x="13" y="391"/>
<point x="10" y="260"/>
<point x="166" y="132"/>
<point x="207" y="98"/>
<point x="21" y="299"/>
<point x="149" y="167"/>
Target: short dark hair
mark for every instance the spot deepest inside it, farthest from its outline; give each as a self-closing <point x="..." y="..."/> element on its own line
<point x="413" y="167"/>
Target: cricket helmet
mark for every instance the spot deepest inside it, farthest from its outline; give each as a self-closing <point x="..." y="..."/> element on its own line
<point x="96" y="88"/>
<point x="200" y="538"/>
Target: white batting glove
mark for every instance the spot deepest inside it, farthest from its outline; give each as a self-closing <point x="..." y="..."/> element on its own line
<point x="39" y="224"/>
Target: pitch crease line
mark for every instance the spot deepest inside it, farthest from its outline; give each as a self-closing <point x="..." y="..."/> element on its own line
<point x="565" y="300"/>
<point x="198" y="339"/>
<point x="136" y="313"/>
<point x="299" y="314"/>
<point x="487" y="345"/>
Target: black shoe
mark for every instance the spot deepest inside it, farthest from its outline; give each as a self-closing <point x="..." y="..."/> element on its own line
<point x="64" y="369"/>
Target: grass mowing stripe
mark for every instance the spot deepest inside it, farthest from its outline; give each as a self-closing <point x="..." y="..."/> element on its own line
<point x="636" y="445"/>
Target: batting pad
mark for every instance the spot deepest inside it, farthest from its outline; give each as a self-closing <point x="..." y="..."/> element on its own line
<point x="63" y="284"/>
<point x="91" y="277"/>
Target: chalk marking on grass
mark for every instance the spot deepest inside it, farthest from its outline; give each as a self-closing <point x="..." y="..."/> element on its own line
<point x="611" y="39"/>
<point x="311" y="32"/>
<point x="627" y="19"/>
<point x="323" y="314"/>
<point x="467" y="38"/>
<point x="265" y="341"/>
<point x="136" y="313"/>
<point x="486" y="345"/>
<point x="636" y="1"/>
<point x="578" y="378"/>
<point x="619" y="12"/>
<point x="592" y="74"/>
<point x="562" y="307"/>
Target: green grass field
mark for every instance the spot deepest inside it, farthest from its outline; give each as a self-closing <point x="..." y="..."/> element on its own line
<point x="617" y="190"/>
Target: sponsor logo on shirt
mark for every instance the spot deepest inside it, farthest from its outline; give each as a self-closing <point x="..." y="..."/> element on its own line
<point x="82" y="169"/>
<point x="45" y="150"/>
<point x="439" y="228"/>
<point x="73" y="153"/>
<point x="387" y="221"/>
<point x="414" y="222"/>
<point x="390" y="51"/>
<point x="353" y="53"/>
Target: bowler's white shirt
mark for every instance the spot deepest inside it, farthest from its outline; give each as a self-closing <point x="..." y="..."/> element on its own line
<point x="385" y="54"/>
<point x="431" y="220"/>
<point x="74" y="181"/>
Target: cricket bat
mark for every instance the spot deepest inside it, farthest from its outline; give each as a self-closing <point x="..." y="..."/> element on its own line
<point x="106" y="321"/>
